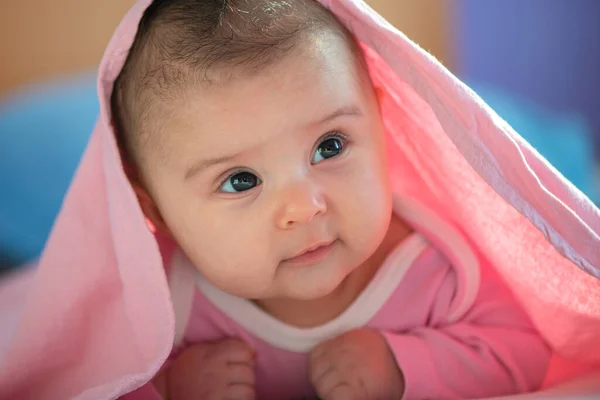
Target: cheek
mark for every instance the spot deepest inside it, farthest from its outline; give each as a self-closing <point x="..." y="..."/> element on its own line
<point x="373" y="203"/>
<point x="364" y="201"/>
<point x="226" y="249"/>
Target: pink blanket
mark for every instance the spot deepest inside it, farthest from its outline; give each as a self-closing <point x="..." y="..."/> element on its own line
<point x="97" y="322"/>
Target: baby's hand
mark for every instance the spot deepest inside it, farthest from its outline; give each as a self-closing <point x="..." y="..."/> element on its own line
<point x="211" y="371"/>
<point x="356" y="365"/>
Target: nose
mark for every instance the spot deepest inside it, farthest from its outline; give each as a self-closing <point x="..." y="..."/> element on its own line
<point x="300" y="204"/>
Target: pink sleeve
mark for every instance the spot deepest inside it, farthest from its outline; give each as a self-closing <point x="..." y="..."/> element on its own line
<point x="493" y="350"/>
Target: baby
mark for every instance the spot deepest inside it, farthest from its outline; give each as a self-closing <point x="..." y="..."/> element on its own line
<point x="251" y="134"/>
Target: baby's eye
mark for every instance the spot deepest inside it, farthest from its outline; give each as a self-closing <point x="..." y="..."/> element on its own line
<point x="331" y="146"/>
<point x="240" y="182"/>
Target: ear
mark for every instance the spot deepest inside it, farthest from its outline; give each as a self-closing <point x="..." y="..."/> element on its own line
<point x="153" y="217"/>
<point x="150" y="210"/>
<point x="379" y="93"/>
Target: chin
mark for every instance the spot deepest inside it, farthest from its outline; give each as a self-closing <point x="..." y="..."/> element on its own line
<point x="322" y="292"/>
<point x="324" y="289"/>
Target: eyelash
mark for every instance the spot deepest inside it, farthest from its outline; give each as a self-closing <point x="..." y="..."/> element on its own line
<point x="333" y="135"/>
<point x="230" y="174"/>
<point x="330" y="135"/>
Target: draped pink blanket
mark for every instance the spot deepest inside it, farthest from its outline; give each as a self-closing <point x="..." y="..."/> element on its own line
<point x="95" y="320"/>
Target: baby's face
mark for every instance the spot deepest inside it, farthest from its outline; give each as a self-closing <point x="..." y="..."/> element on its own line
<point x="261" y="170"/>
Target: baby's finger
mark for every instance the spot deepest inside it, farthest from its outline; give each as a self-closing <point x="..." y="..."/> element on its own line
<point x="318" y="369"/>
<point x="235" y="351"/>
<point x="240" y="374"/>
<point x="327" y="381"/>
<point x="240" y="392"/>
<point x="342" y="391"/>
<point x="319" y="351"/>
<point x="328" y="348"/>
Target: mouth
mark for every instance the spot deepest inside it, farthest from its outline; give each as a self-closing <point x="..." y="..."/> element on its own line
<point x="312" y="254"/>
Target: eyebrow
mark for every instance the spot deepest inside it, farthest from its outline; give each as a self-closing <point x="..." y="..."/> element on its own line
<point x="347" y="111"/>
<point x="205" y="164"/>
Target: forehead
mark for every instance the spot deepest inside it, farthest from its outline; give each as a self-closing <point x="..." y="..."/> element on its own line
<point x="320" y="75"/>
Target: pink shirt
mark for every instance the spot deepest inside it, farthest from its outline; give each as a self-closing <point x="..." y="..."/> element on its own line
<point x="454" y="328"/>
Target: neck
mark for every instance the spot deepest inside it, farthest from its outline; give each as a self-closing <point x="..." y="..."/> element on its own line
<point x="311" y="313"/>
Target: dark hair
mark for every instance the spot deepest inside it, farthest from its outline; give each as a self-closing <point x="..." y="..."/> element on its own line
<point x="179" y="42"/>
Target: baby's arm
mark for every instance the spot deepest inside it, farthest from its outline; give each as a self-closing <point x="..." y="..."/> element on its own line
<point x="493" y="350"/>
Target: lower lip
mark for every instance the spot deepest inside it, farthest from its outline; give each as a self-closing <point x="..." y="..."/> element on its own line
<point x="314" y="256"/>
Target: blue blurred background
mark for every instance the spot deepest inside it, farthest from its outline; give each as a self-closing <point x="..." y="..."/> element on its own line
<point x="535" y="61"/>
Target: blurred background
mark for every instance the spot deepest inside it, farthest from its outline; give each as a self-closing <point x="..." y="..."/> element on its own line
<point x="537" y="62"/>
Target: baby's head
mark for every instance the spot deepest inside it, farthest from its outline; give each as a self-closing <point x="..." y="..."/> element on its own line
<point x="254" y="135"/>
